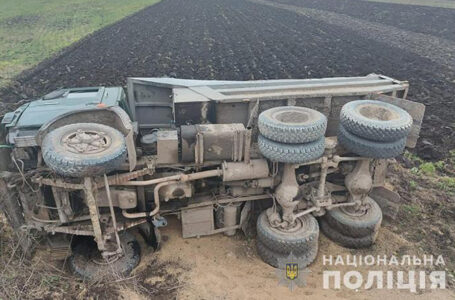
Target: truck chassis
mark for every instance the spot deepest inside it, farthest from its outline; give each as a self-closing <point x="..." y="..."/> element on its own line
<point x="193" y="149"/>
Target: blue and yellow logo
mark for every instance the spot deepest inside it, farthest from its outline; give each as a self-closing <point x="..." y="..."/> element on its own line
<point x="292" y="271"/>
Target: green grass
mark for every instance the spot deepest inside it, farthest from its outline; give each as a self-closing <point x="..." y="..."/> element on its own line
<point x="447" y="184"/>
<point x="428" y="168"/>
<point x="412" y="209"/>
<point x="32" y="30"/>
<point x="433" y="3"/>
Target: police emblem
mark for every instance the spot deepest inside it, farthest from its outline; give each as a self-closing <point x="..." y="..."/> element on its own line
<point x="291" y="271"/>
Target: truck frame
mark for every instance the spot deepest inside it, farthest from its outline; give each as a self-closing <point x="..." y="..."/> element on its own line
<point x="190" y="148"/>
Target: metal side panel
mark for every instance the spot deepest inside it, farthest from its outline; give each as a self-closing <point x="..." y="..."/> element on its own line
<point x="235" y="91"/>
<point x="151" y="106"/>
<point x="233" y="101"/>
<point x="197" y="221"/>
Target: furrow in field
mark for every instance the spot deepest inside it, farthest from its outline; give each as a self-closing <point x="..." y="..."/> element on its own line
<point x="428" y="46"/>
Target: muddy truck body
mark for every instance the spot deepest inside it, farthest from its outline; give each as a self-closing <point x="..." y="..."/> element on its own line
<point x="80" y="167"/>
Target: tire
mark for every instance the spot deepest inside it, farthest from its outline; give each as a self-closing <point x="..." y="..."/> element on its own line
<point x="292" y="124"/>
<point x="82" y="264"/>
<point x="367" y="148"/>
<point x="67" y="161"/>
<point x="272" y="258"/>
<point x="291" y="153"/>
<point x="356" y="226"/>
<point x="375" y="120"/>
<point x="298" y="242"/>
<point x="344" y="240"/>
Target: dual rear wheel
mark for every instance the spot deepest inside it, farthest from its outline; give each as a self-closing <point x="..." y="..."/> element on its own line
<point x="350" y="228"/>
<point x="353" y="228"/>
<point x="275" y="244"/>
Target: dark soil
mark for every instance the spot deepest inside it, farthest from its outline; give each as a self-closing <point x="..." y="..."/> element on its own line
<point x="427" y="212"/>
<point x="240" y="40"/>
<point x="435" y="21"/>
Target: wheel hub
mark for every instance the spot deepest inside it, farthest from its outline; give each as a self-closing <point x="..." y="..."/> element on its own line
<point x="292" y="116"/>
<point x="376" y="112"/>
<point x="86" y="141"/>
<point x="99" y="259"/>
<point x="290" y="228"/>
<point x="356" y="211"/>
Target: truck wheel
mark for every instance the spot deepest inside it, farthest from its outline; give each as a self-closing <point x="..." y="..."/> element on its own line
<point x="291" y="153"/>
<point x="273" y="258"/>
<point x="86" y="260"/>
<point x="292" y="124"/>
<point x="375" y="120"/>
<point x="353" y="224"/>
<point x="367" y="148"/>
<point x="84" y="149"/>
<point x="298" y="241"/>
<point x="344" y="240"/>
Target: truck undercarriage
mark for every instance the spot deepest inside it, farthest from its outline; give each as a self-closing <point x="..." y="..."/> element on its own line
<point x="206" y="151"/>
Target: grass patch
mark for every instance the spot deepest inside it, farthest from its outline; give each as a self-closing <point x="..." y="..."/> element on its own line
<point x="447" y="184"/>
<point x="411" y="209"/>
<point x="428" y="168"/>
<point x="419" y="166"/>
<point x="412" y="157"/>
<point x="33" y="30"/>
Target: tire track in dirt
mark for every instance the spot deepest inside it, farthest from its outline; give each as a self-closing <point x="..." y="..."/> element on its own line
<point x="428" y="46"/>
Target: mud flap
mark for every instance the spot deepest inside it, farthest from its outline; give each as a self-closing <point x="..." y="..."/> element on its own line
<point x="388" y="200"/>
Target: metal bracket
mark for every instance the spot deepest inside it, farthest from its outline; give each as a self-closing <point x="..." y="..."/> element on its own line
<point x="159" y="221"/>
<point x="320" y="200"/>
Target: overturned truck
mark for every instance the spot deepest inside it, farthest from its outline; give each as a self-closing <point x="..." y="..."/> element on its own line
<point x="82" y="166"/>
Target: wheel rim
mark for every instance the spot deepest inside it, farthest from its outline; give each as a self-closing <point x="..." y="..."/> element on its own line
<point x="86" y="141"/>
<point x="355" y="211"/>
<point x="99" y="260"/>
<point x="292" y="117"/>
<point x="94" y="255"/>
<point x="298" y="225"/>
<point x="377" y="112"/>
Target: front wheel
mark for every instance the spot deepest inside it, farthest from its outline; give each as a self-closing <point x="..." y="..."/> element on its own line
<point x="87" y="262"/>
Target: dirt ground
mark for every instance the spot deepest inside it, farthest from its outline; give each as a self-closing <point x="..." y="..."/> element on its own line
<point x="220" y="267"/>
